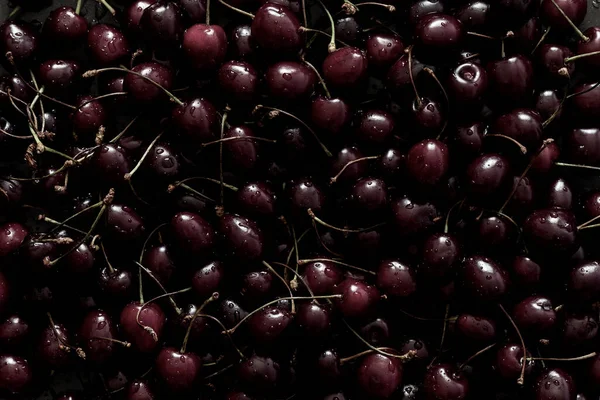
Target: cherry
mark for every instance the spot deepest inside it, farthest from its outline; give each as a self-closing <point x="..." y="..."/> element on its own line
<point x="139" y="390"/>
<point x="12" y="236"/>
<point x="64" y="24"/>
<point x="421" y="8"/>
<point x="242" y="396"/>
<point x="345" y="68"/>
<point x="269" y="324"/>
<point x="551" y="60"/>
<point x="522" y="124"/>
<point x="428" y="161"/>
<point x="330" y="114"/>
<point x="328" y="368"/>
<point x="441" y="253"/>
<point x="399" y="77"/>
<point x="375" y="127"/>
<point x="258" y="374"/>
<point x="413" y="218"/>
<point x="243" y="238"/>
<point x="589" y="46"/>
<point x="276" y="28"/>
<point x="133" y="15"/>
<point x="546" y="158"/>
<point x="142" y="325"/>
<point x="12" y="194"/>
<point x="58" y="75"/>
<point x="290" y="80"/>
<point x="116" y="283"/>
<point x="445" y="382"/>
<point x="535" y="315"/>
<point x="396" y="279"/>
<point x="391" y="163"/>
<point x="20" y="40"/>
<point x="14" y="331"/>
<point x="496" y="234"/>
<point x="487" y="175"/>
<point x="123" y="223"/>
<point x="51" y="346"/>
<point x="197" y="119"/>
<point x="560" y="195"/>
<point x="15" y="374"/>
<point x="379" y="375"/>
<point x="241" y="43"/>
<point x="141" y="89"/>
<point x="554" y="384"/>
<point x="467" y="83"/>
<point x="475" y="328"/>
<point x="586" y="103"/>
<point x="475" y="16"/>
<point x="205" y="46"/>
<point x="376" y="332"/>
<point x="525" y="271"/>
<point x="87" y="119"/>
<point x="547" y="103"/>
<point x="527" y="36"/>
<point x="383" y="49"/>
<point x="468" y="139"/>
<point x="231" y="313"/>
<point x="322" y="276"/>
<point x="107" y="44"/>
<point x="304" y="195"/>
<point x="192" y="234"/>
<point x="575" y="10"/>
<point x="579" y="328"/>
<point x="483" y="279"/>
<point x="239" y="80"/>
<point x="94" y="331"/>
<point x="313" y="319"/>
<point x="427" y="116"/>
<point x="358" y="298"/>
<point x="513" y="13"/>
<point x="582" y="146"/>
<point x="243" y="154"/>
<point x="438" y="33"/>
<point x="195" y="10"/>
<point x="510" y="80"/>
<point x="208" y="279"/>
<point x="162" y="23"/>
<point x="163" y="162"/>
<point x="257" y="199"/>
<point x="551" y="233"/>
<point x="370" y="195"/>
<point x="582" y="281"/>
<point x="509" y="362"/>
<point x="179" y="371"/>
<point x="18" y="88"/>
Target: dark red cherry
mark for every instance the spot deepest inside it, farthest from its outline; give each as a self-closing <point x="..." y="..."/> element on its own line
<point x="230" y="313"/>
<point x="475" y="16"/>
<point x="123" y="223"/>
<point x="290" y="80"/>
<point x="58" y="76"/>
<point x="330" y="114"/>
<point x="241" y="43"/>
<point x="383" y="49"/>
<point x="475" y="328"/>
<point x="142" y="325"/>
<point x="575" y="10"/>
<point x="512" y="13"/>
<point x="178" y="371"/>
<point x="304" y="194"/>
<point x="163" y="162"/>
<point x="14" y="331"/>
<point x="205" y="46"/>
<point x="585" y="104"/>
<point x="560" y="195"/>
<point x="269" y="324"/>
<point x="591" y="205"/>
<point x="392" y="164"/>
<point x="583" y="281"/>
<point x="345" y="67"/>
<point x="399" y="80"/>
<point x="522" y="124"/>
<point x="445" y="382"/>
<point x="18" y="88"/>
<point x="208" y="279"/>
<point x="322" y="276"/>
<point x="328" y="368"/>
<point x="551" y="60"/>
<point x="65" y="25"/>
<point x="376" y="332"/>
<point x="133" y="15"/>
<point x="526" y="272"/>
<point x="438" y="33"/>
<point x="582" y="146"/>
<point x="162" y="23"/>
<point x="510" y="80"/>
<point x="87" y="119"/>
<point x="12" y="194"/>
<point x="396" y="278"/>
<point x="257" y="199"/>
<point x="483" y="279"/>
<point x="354" y="171"/>
<point x="243" y="154"/>
<point x="535" y="315"/>
<point x="487" y="175"/>
<point x="547" y="103"/>
<point x="116" y="284"/>
<point x="20" y="40"/>
<point x="592" y="45"/>
<point x="521" y="202"/>
<point x="111" y="163"/>
<point x="379" y="376"/>
<point x="275" y="28"/>
<point x="313" y="319"/>
<point x="579" y="328"/>
<point x="195" y="10"/>
<point x="51" y="346"/>
<point x="441" y="253"/>
<point x="243" y="396"/>
<point x="375" y="127"/>
<point x="553" y="384"/>
<point x="239" y="80"/>
<point x="467" y="83"/>
<point x="15" y="374"/>
<point x="141" y="89"/>
<point x="370" y="195"/>
<point x="107" y="44"/>
<point x="551" y="232"/>
<point x="192" y="234"/>
<point x="242" y="237"/>
<point x="427" y="116"/>
<point x="413" y="218"/>
<point x="94" y="329"/>
<point x="197" y="119"/>
<point x="546" y="158"/>
<point x="358" y="298"/>
<point x="348" y="29"/>
<point x="428" y="161"/>
<point x="527" y="36"/>
<point x="509" y="362"/>
<point x="258" y="374"/>
<point x="12" y="236"/>
<point x="495" y="234"/>
<point x="256" y="286"/>
<point x="468" y="139"/>
<point x="139" y="390"/>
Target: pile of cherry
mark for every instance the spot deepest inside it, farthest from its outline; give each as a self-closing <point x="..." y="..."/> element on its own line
<point x="300" y="199"/>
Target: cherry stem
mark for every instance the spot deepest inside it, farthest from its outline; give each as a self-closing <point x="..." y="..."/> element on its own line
<point x="113" y="140"/>
<point x="404" y="357"/>
<point x="276" y="111"/>
<point x="522" y="148"/>
<point x="468" y="360"/>
<point x="306" y="261"/>
<point x="443" y="338"/>
<point x="314" y="224"/>
<point x="295" y="248"/>
<point x="390" y="8"/>
<point x="229" y="139"/>
<point x="304" y="29"/>
<point x="321" y="80"/>
<point x="78" y="7"/>
<point x="345" y="230"/>
<point x="246" y="13"/>
<point x="370" y="351"/>
<point x="590" y="226"/>
<point x="424" y="318"/>
<point x="304" y="13"/>
<point x="236" y="326"/>
<point x="62" y="344"/>
<point x="61" y="224"/>
<point x="589" y="222"/>
<point x="55" y="222"/>
<point x="481" y="35"/>
<point x="541" y="40"/>
<point x="14" y="136"/>
<point x="296" y="276"/>
<point x="578" y="56"/>
<point x="207" y="12"/>
<point x="525" y="171"/>
<point x="102" y="96"/>
<point x="349" y="163"/>
<point x="14" y="12"/>
<point x="580" y="358"/>
<point x="110" y="267"/>
<point x="562" y="164"/>
<point x="93" y="72"/>
<point x="148" y="240"/>
<point x="122" y="343"/>
<point x="584" y="91"/>
<point x="577" y="31"/>
<point x="224" y="330"/>
<point x="331" y="45"/>
<point x="108" y="7"/>
<point x="349" y="8"/>
<point x="128" y="175"/>
<point x="213" y="297"/>
<point x="160" y="285"/>
<point x="105" y="203"/>
<point x="432" y="74"/>
<point x="521" y="378"/>
<point x="410" y="76"/>
<point x="181" y="183"/>
<point x="222" y="190"/>
<point x="192" y="190"/>
<point x="266" y="264"/>
<point x="450" y="211"/>
<point x="555" y="113"/>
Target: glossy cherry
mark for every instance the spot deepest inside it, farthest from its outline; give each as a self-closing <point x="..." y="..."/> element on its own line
<point x="313" y="319"/>
<point x="554" y="383"/>
<point x="379" y="375"/>
<point x="330" y="114"/>
<point x="467" y="83"/>
<point x="575" y="10"/>
<point x="358" y="298"/>
<point x="582" y="281"/>
<point x="535" y="315"/>
<point x="208" y="279"/>
<point x="413" y="217"/>
<point x="124" y="223"/>
<point x="523" y="125"/>
<point x="15" y="374"/>
<point x="441" y="253"/>
<point x="383" y="49"/>
<point x="239" y="79"/>
<point x="14" y="331"/>
<point x="345" y="67"/>
<point x="290" y="80"/>
<point x="395" y="278"/>
<point x="276" y="28"/>
<point x="483" y="279"/>
<point x="551" y="232"/>
<point x="428" y="161"/>
<point x="269" y="324"/>
<point x="95" y="327"/>
<point x="178" y="371"/>
<point x="20" y="39"/>
<point x="192" y="234"/>
<point x="438" y="33"/>
<point x="87" y="119"/>
<point x="510" y="80"/>
<point x="205" y="46"/>
<point x="142" y="325"/>
<point x="475" y="328"/>
<point x="65" y="25"/>
<point x="322" y="276"/>
<point x="375" y="127"/>
<point x="141" y="89"/>
<point x="509" y="362"/>
<point x="162" y="23"/>
<point x="445" y="382"/>
<point x="107" y="44"/>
